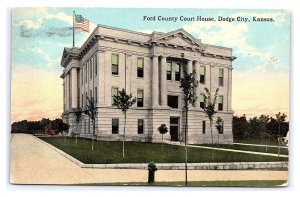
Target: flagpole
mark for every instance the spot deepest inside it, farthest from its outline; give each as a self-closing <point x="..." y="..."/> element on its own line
<point x="73" y="29"/>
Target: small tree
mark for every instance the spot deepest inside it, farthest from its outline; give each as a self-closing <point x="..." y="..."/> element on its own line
<point x="219" y="127"/>
<point x="91" y="111"/>
<point x="78" y="115"/>
<point x="188" y="84"/>
<point x="163" y="129"/>
<point x="209" y="108"/>
<point x="123" y="102"/>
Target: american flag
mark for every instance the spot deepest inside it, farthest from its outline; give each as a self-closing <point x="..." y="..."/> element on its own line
<point x="82" y="23"/>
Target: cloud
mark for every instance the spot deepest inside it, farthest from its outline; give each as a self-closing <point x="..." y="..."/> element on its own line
<point x="28" y="32"/>
<point x="35" y="94"/>
<point x="255" y="93"/>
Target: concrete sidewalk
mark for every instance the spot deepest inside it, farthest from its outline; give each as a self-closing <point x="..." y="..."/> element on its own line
<point x="33" y="162"/>
<point x="239" y="151"/>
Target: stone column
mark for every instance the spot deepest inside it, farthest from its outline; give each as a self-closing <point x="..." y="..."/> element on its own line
<point x="163" y="81"/>
<point x="154" y="81"/>
<point x="229" y="91"/>
<point x="74" y="87"/>
<point x="197" y="91"/>
<point x="67" y="91"/>
<point x="189" y="66"/>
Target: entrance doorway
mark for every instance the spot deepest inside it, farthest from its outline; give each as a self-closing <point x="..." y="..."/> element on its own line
<point x="174" y="128"/>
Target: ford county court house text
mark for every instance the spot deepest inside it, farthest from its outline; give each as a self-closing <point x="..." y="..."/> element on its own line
<point x="148" y="66"/>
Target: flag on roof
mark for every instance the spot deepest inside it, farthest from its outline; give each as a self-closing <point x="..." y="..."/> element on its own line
<point x="82" y="23"/>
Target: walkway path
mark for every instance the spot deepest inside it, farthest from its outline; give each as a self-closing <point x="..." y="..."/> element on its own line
<point x="238" y="151"/>
<point x="271" y="146"/>
<point x="33" y="162"/>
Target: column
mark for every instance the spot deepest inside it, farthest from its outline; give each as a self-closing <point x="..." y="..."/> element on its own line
<point x="154" y="81"/>
<point x="197" y="91"/>
<point x="229" y="90"/>
<point x="74" y="87"/>
<point x="189" y="67"/>
<point x="163" y="81"/>
<point x="67" y="91"/>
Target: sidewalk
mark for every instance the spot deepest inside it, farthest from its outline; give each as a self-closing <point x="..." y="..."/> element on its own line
<point x="33" y="162"/>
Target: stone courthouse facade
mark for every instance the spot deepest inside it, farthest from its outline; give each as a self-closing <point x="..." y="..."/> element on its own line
<point x="149" y="67"/>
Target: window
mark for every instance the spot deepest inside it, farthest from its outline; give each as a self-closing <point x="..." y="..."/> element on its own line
<point x="140" y="67"/>
<point x="222" y="128"/>
<point x="91" y="66"/>
<point x="203" y="127"/>
<point x="95" y="64"/>
<point x="220" y="103"/>
<point x="82" y="101"/>
<point x="91" y="94"/>
<point x="140" y="126"/>
<point x="140" y="98"/>
<point x="221" y="76"/>
<point x="177" y="72"/>
<point x="173" y="101"/>
<point x="115" y="126"/>
<point x="202" y="74"/>
<point x="114" y="64"/>
<point x="202" y="101"/>
<point x="96" y="96"/>
<point x="114" y="92"/>
<point x="169" y="71"/>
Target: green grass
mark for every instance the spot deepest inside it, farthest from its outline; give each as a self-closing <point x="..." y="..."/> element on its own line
<point x="111" y="152"/>
<point x="252" y="183"/>
<point x="283" y="151"/>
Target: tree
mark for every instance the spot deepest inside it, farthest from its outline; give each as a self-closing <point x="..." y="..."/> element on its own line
<point x="123" y="102"/>
<point x="188" y="85"/>
<point x="91" y="111"/>
<point x="163" y="129"/>
<point x="77" y="113"/>
<point x="219" y="127"/>
<point x="209" y="108"/>
<point x="240" y="127"/>
<point x="280" y="118"/>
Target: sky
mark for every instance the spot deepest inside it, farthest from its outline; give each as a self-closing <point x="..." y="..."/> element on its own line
<point x="260" y="72"/>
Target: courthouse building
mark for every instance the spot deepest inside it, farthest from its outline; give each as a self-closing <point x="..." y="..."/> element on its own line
<point x="149" y="67"/>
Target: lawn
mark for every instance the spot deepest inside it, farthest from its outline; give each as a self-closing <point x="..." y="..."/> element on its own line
<point x="273" y="150"/>
<point x="137" y="152"/>
<point x="253" y="183"/>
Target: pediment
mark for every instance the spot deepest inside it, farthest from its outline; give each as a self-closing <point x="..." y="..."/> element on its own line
<point x="180" y="38"/>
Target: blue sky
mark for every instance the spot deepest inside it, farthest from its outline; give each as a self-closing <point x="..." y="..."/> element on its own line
<point x="262" y="50"/>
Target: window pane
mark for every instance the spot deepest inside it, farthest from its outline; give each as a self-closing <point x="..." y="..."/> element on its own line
<point x="203" y="127"/>
<point x="220" y="99"/>
<point x="140" y="62"/>
<point x="201" y="98"/>
<point x="115" y="126"/>
<point x="177" y="68"/>
<point x="140" y="126"/>
<point x="169" y="66"/>
<point x="140" y="94"/>
<point x="114" y="69"/>
<point x="221" y="72"/>
<point x="173" y="101"/>
<point x="114" y="59"/>
<point x="202" y="70"/>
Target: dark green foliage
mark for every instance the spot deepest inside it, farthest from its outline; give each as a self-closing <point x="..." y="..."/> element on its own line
<point x="263" y="126"/>
<point x="110" y="152"/>
<point x="240" y="127"/>
<point x="219" y="125"/>
<point x="30" y="127"/>
<point x="58" y="125"/>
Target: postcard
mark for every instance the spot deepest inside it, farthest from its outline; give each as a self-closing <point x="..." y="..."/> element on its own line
<point x="150" y="97"/>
